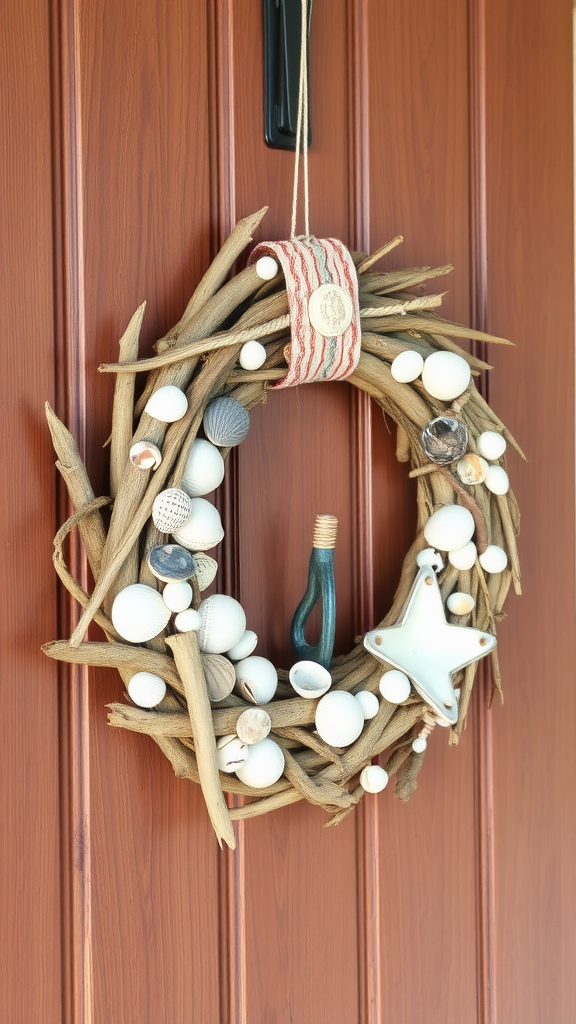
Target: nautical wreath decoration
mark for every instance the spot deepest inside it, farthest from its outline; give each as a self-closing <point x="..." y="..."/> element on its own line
<point x="301" y="310"/>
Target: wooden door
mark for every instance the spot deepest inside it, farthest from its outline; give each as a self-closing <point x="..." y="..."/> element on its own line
<point x="132" y="141"/>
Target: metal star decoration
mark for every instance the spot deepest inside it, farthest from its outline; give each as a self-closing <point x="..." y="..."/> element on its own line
<point x="427" y="648"/>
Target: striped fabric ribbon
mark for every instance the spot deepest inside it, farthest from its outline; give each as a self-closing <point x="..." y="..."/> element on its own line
<point x="309" y="264"/>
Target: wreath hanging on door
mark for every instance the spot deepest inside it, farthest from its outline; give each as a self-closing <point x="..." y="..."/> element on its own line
<point x="223" y="716"/>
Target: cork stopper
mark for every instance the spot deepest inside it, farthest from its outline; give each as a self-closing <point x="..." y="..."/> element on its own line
<point x="325" y="528"/>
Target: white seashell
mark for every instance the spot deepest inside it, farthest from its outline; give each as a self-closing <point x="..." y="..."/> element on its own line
<point x="266" y="268"/>
<point x="252" y="355"/>
<point x="419" y="745"/>
<point x="463" y="558"/>
<point x="494" y="559"/>
<point x="231" y="753"/>
<point x="395" y="686"/>
<point x="407" y="366"/>
<point x="244" y="647"/>
<point x="449" y="528"/>
<point x="429" y="557"/>
<point x="188" y="620"/>
<point x="219" y="675"/>
<point x="177" y="596"/>
<point x="253" y="725"/>
<point x="497" y="480"/>
<point x="226" y="422"/>
<point x="168" y="404"/>
<point x="310" y="679"/>
<point x="145" y="455"/>
<point x="472" y="469"/>
<point x="460" y="604"/>
<point x="256" y="679"/>
<point x="373" y="778"/>
<point x="491" y="445"/>
<point x="206" y="569"/>
<point x="146" y="689"/>
<point x="368" y="702"/>
<point x="445" y="375"/>
<point x="170" y="509"/>
<point x="139" y="613"/>
<point x="339" y="718"/>
<point x="204" y="470"/>
<point x="203" y="530"/>
<point x="263" y="766"/>
<point x="223" y="623"/>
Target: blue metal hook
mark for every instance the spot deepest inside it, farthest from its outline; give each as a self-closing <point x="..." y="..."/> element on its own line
<point x="320" y="585"/>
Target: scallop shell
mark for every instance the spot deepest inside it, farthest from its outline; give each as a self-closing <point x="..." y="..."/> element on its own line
<point x="368" y="702"/>
<point x="339" y="718"/>
<point x="219" y="675"/>
<point x="226" y="422"/>
<point x="256" y="679"/>
<point x="145" y="455"/>
<point x="206" y="569"/>
<point x="445" y="375"/>
<point x="177" y="596"/>
<point x="231" y="753"/>
<point x="244" y="647"/>
<point x="253" y="725"/>
<point x="373" y="778"/>
<point x="263" y="766"/>
<point x="139" y="613"/>
<point x="203" y="530"/>
<point x="472" y="469"/>
<point x="223" y="623"/>
<point x="444" y="440"/>
<point x="146" y="689"/>
<point x="204" y="470"/>
<point x="188" y="620"/>
<point x="171" y="563"/>
<point x="460" y="604"/>
<point x="310" y="679"/>
<point x="168" y="404"/>
<point x="449" y="528"/>
<point x="170" y="510"/>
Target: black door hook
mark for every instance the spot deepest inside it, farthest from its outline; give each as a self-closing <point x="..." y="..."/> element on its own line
<point x="282" y="30"/>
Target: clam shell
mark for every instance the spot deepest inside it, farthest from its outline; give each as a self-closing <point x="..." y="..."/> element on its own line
<point x="494" y="559"/>
<point x="171" y="563"/>
<point x="252" y="355"/>
<point x="339" y="718"/>
<point x="449" y="528"/>
<point x="177" y="596"/>
<point x="369" y="703"/>
<point x="145" y="455"/>
<point x="491" y="444"/>
<point x="310" y="679"/>
<point x="206" y="569"/>
<point x="463" y="558"/>
<point x="203" y="530"/>
<point x="444" y="440"/>
<point x="171" y="509"/>
<point x="244" y="647"/>
<point x="204" y="470"/>
<point x="146" y="689"/>
<point x="373" y="778"/>
<point x="223" y="623"/>
<point x="188" y="621"/>
<point x="256" y="679"/>
<point x="168" y="404"/>
<point x="472" y="469"/>
<point x="219" y="675"/>
<point x="407" y="366"/>
<point x="263" y="766"/>
<point x="497" y="480"/>
<point x="139" y="613"/>
<point x="253" y="725"/>
<point x="394" y="686"/>
<point x="231" y="753"/>
<point x="445" y="375"/>
<point x="226" y="422"/>
<point x="460" y="604"/>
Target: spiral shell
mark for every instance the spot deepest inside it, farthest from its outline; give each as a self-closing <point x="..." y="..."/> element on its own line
<point x="170" y="510"/>
<point x="226" y="422"/>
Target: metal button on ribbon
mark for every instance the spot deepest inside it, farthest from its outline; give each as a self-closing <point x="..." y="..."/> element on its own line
<point x="330" y="310"/>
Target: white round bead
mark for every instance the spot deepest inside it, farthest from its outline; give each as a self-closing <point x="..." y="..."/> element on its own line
<point x="419" y="745"/>
<point x="252" y="355"/>
<point x="373" y="778"/>
<point x="460" y="604"/>
<point x="177" y="596"/>
<point x="491" y="444"/>
<point x="395" y="686"/>
<point x="497" y="480"/>
<point x="494" y="559"/>
<point x="146" y="689"/>
<point x="445" y="375"/>
<point x="266" y="268"/>
<point x="188" y="620"/>
<point x="407" y="366"/>
<point x="463" y="558"/>
<point x="368" y="702"/>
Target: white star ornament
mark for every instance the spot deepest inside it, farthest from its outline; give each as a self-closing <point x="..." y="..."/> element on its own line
<point x="427" y="648"/>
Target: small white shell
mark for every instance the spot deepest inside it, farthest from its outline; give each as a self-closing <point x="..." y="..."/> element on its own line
<point x="252" y="355"/>
<point x="450" y="527"/>
<point x="460" y="604"/>
<point x="310" y="679"/>
<point x="168" y="404"/>
<point x="170" y="509"/>
<point x="188" y="620"/>
<point x="428" y="556"/>
<point x="206" y="569"/>
<point x="263" y="766"/>
<point x="339" y="718"/>
<point x="223" y="623"/>
<point x="203" y="530"/>
<point x="177" y="596"/>
<point x="146" y="689"/>
<point x="145" y="455"/>
<point x="226" y="422"/>
<point x="497" y="480"/>
<point x="231" y="753"/>
<point x="494" y="559"/>
<point x="394" y="686"/>
<point x="253" y="725"/>
<point x="244" y="647"/>
<point x="368" y="702"/>
<point x="266" y="268"/>
<point x="491" y="445"/>
<point x="407" y="366"/>
<point x="445" y="375"/>
<point x="463" y="558"/>
<point x="419" y="744"/>
<point x="139" y="613"/>
<point x="204" y="470"/>
<point x="256" y="679"/>
<point x="373" y="778"/>
<point x="472" y="469"/>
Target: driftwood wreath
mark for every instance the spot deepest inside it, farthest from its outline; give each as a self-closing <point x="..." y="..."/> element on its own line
<point x="201" y="359"/>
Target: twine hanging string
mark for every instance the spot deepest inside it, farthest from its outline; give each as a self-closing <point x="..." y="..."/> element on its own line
<point x="302" y="133"/>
